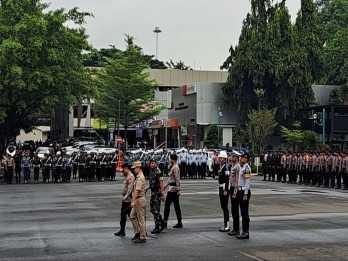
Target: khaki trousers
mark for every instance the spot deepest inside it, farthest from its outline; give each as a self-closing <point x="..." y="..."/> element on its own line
<point x="137" y="217"/>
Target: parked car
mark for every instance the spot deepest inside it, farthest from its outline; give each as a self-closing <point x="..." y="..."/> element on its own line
<point x="41" y="151"/>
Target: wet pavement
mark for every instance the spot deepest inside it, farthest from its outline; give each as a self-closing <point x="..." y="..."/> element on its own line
<point x="77" y="221"/>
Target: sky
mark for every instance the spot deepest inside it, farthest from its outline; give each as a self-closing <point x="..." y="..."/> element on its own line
<point x="197" y="32"/>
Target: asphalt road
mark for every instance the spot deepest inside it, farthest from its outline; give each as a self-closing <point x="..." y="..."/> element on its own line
<point x="76" y="222"/>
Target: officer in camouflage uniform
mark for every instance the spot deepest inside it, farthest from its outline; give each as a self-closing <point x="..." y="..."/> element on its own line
<point x="157" y="192"/>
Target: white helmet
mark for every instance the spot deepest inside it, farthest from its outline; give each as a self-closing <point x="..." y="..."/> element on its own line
<point x="58" y="153"/>
<point x="223" y="154"/>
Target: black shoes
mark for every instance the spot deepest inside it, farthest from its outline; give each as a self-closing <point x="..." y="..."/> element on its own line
<point x="164" y="225"/>
<point x="244" y="235"/>
<point x="139" y="240"/>
<point x="156" y="230"/>
<point x="136" y="236"/>
<point x="179" y="225"/>
<point x="120" y="233"/>
<point x="233" y="233"/>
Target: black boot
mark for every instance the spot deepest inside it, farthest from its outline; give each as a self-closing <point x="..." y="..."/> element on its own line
<point x="178" y="225"/>
<point x="120" y="233"/>
<point x="136" y="236"/>
<point x="164" y="225"/>
<point x="244" y="235"/>
<point x="156" y="230"/>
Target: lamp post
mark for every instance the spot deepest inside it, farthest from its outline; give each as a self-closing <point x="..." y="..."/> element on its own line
<point x="157" y="31"/>
<point x="219" y="122"/>
<point x="320" y="122"/>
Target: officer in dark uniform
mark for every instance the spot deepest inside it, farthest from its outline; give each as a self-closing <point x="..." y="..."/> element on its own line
<point x="235" y="168"/>
<point x="157" y="192"/>
<point x="81" y="167"/>
<point x="114" y="160"/>
<point x="59" y="167"/>
<point x="88" y="167"/>
<point x="36" y="166"/>
<point x="75" y="163"/>
<point x="47" y="161"/>
<point x="68" y="168"/>
<point x="103" y="163"/>
<point x="98" y="168"/>
<point x="93" y="166"/>
<point x="224" y="181"/>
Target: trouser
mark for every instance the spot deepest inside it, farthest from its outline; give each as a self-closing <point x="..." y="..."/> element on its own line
<point x="273" y="172"/>
<point x="46" y="174"/>
<point x="234" y="210"/>
<point x="125" y="211"/>
<point x="224" y="207"/>
<point x="332" y="178"/>
<point x="283" y="174"/>
<point x="338" y="179"/>
<point x="102" y="171"/>
<point x="58" y="174"/>
<point x="183" y="169"/>
<point x="216" y="170"/>
<point x="264" y="171"/>
<point x="244" y="209"/>
<point x="68" y="173"/>
<point x="36" y="174"/>
<point x="137" y="217"/>
<point x="270" y="170"/>
<point x="172" y="197"/>
<point x="9" y="175"/>
<point x="194" y="170"/>
<point x="113" y="171"/>
<point x="326" y="176"/>
<point x="74" y="170"/>
<point x="18" y="175"/>
<point x="345" y="179"/>
<point x="279" y="173"/>
<point x="91" y="172"/>
<point x="199" y="171"/>
<point x="26" y="173"/>
<point x="155" y="208"/>
<point x="203" y="170"/>
<point x="81" y="172"/>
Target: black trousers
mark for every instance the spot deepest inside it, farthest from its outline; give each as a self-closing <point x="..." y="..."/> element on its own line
<point x="183" y="169"/>
<point x="224" y="206"/>
<point x="244" y="209"/>
<point x="125" y="211"/>
<point x="36" y="173"/>
<point x="172" y="197"/>
<point x="216" y="170"/>
<point x="203" y="170"/>
<point x="235" y="210"/>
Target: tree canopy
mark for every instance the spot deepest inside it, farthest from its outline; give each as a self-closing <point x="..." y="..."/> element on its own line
<point x="40" y="63"/>
<point x="122" y="79"/>
<point x="273" y="54"/>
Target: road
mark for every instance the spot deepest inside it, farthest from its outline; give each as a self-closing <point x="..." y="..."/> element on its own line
<point x="76" y="221"/>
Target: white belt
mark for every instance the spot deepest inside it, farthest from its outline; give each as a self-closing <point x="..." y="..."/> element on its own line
<point x="241" y="188"/>
<point x="221" y="185"/>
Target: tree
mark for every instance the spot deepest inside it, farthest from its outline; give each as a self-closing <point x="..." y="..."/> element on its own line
<point x="261" y="124"/>
<point x="211" y="137"/>
<point x="303" y="140"/>
<point x="40" y="63"/>
<point x="239" y="135"/>
<point x="123" y="79"/>
<point x="271" y="56"/>
<point x="178" y="65"/>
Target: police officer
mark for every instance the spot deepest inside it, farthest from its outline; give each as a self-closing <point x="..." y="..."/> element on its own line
<point x="157" y="194"/>
<point x="235" y="168"/>
<point x="10" y="164"/>
<point x="138" y="205"/>
<point x="243" y="194"/>
<point x="224" y="181"/>
<point x="36" y="166"/>
<point x="68" y="168"/>
<point x="93" y="167"/>
<point x="183" y="163"/>
<point x="47" y="161"/>
<point x="173" y="192"/>
<point x="75" y="163"/>
<point x="59" y="167"/>
<point x="81" y="167"/>
<point x="26" y="163"/>
<point x="127" y="189"/>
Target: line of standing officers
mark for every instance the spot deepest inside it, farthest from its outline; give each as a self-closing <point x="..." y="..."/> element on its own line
<point x="234" y="184"/>
<point x="320" y="169"/>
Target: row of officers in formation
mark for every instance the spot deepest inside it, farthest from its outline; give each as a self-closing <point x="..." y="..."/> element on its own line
<point x="320" y="169"/>
<point x="60" y="167"/>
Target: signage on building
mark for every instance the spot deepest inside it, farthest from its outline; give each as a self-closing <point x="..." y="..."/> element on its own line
<point x="188" y="89"/>
<point x="183" y="130"/>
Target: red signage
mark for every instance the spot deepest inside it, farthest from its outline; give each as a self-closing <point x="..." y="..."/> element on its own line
<point x="119" y="139"/>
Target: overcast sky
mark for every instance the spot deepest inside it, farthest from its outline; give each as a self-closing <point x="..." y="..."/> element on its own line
<point x="198" y="32"/>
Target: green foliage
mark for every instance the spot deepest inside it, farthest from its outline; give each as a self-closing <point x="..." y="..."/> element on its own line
<point x="277" y="57"/>
<point x="239" y="135"/>
<point x="123" y="79"/>
<point x="301" y="139"/>
<point x="180" y="65"/>
<point x="261" y="124"/>
<point x="40" y="63"/>
<point x="211" y="137"/>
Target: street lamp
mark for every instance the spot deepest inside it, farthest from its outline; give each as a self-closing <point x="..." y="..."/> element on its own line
<point x="219" y="122"/>
<point x="320" y="122"/>
<point x="157" y="31"/>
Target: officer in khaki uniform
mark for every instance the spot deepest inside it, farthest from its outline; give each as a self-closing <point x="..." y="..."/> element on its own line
<point x="138" y="205"/>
